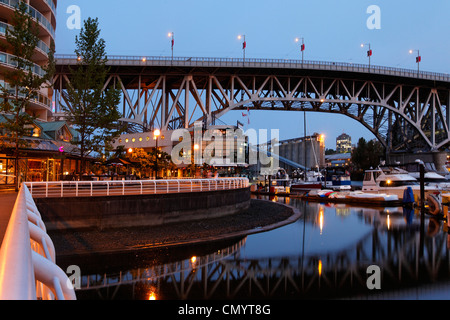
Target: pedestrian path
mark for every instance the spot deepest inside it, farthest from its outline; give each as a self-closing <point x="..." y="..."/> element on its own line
<point x="7" y="200"/>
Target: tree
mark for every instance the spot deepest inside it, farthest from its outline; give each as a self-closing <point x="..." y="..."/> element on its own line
<point x="155" y="159"/>
<point x="93" y="109"/>
<point x="23" y="83"/>
<point x="367" y="154"/>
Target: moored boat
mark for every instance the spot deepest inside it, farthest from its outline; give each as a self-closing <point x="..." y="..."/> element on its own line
<point x="337" y="178"/>
<point x="392" y="181"/>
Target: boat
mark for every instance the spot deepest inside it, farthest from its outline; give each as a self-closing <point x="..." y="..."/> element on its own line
<point x="362" y="197"/>
<point x="276" y="183"/>
<point x="392" y="181"/>
<point x="313" y="181"/>
<point x="353" y="197"/>
<point x="431" y="176"/>
<point x="337" y="178"/>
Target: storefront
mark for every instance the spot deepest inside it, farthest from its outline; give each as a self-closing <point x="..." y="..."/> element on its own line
<point x="49" y="156"/>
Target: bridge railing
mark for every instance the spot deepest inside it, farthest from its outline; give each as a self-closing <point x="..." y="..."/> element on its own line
<point x="27" y="257"/>
<point x="132" y="187"/>
<point x="262" y="63"/>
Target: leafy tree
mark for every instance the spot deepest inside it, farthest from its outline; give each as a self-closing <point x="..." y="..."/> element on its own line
<point x="92" y="109"/>
<point x="155" y="160"/>
<point x="23" y="83"/>
<point x="367" y="154"/>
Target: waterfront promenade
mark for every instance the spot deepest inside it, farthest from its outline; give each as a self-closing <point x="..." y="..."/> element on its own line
<point x="7" y="200"/>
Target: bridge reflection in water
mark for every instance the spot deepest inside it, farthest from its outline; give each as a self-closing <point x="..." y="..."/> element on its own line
<point x="294" y="261"/>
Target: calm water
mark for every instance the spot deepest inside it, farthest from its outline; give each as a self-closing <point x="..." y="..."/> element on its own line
<point x="324" y="254"/>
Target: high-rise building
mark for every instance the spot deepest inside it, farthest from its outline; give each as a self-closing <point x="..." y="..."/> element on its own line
<point x="344" y="143"/>
<point x="44" y="12"/>
<point x="49" y="154"/>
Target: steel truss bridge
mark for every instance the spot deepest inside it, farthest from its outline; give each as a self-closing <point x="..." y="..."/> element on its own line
<point x="406" y="110"/>
<point x="407" y="259"/>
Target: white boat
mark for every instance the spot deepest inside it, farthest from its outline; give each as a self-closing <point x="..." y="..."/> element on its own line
<point x="364" y="196"/>
<point x="431" y="177"/>
<point x="392" y="181"/>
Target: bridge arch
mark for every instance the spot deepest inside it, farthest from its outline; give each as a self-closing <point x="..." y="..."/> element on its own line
<point x="404" y="109"/>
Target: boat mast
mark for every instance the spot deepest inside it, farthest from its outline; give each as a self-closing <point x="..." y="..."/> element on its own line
<point x="304" y="139"/>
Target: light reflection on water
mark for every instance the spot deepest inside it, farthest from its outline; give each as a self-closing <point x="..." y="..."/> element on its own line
<point x="324" y="254"/>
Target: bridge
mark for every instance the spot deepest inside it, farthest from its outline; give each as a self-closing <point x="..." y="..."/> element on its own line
<point x="406" y="110"/>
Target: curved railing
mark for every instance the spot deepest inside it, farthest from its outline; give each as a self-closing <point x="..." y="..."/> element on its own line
<point x="132" y="187"/>
<point x="261" y="63"/>
<point x="27" y="257"/>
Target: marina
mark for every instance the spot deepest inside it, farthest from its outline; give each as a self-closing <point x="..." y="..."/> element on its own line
<point x="229" y="165"/>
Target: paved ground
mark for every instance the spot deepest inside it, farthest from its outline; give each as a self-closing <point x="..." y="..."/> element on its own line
<point x="7" y="200"/>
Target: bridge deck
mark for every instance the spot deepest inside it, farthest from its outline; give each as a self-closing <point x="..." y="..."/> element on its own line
<point x="251" y="63"/>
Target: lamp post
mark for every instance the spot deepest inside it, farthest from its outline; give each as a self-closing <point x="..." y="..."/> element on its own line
<point x="302" y="46"/>
<point x="156" y="135"/>
<point x="196" y="148"/>
<point x="244" y="45"/>
<point x="369" y="52"/>
<point x="171" y="34"/>
<point x="418" y="59"/>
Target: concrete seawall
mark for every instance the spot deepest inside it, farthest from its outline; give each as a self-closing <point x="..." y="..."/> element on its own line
<point x="71" y="213"/>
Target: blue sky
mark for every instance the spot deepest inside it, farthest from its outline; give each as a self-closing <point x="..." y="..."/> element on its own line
<point x="333" y="31"/>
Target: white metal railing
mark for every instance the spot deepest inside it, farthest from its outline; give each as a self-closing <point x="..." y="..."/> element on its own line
<point x="27" y="257"/>
<point x="131" y="187"/>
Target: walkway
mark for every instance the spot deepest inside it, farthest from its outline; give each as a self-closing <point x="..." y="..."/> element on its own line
<point x="7" y="200"/>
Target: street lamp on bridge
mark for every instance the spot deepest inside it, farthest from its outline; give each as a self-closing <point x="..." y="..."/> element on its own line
<point x="302" y="46"/>
<point x="171" y="34"/>
<point x="418" y="59"/>
<point x="369" y="52"/>
<point x="244" y="44"/>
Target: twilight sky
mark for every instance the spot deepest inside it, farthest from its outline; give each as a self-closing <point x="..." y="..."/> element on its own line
<point x="333" y="30"/>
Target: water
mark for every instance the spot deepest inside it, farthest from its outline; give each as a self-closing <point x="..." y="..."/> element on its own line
<point x="324" y="254"/>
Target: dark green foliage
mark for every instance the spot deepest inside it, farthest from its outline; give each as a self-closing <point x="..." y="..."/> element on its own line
<point x="92" y="109"/>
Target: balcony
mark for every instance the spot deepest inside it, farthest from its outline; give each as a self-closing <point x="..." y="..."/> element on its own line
<point x="42" y="49"/>
<point x="44" y="23"/>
